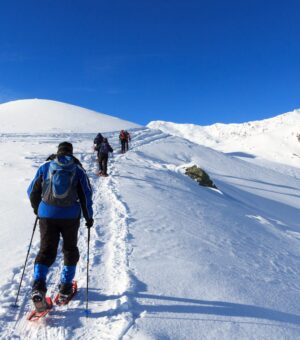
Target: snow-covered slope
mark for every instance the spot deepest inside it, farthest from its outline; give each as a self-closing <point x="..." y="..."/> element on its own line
<point x="273" y="139"/>
<point x="39" y="115"/>
<point x="168" y="259"/>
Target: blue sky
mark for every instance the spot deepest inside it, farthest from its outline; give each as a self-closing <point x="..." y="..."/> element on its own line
<point x="186" y="61"/>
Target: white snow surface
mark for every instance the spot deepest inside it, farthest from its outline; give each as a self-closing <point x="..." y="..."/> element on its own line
<point x="168" y="259"/>
<point x="40" y="115"/>
<point x="274" y="139"/>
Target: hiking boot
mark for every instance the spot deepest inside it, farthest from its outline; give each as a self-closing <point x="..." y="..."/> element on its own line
<point x="66" y="289"/>
<point x="38" y="295"/>
<point x="39" y="301"/>
<point x="39" y="285"/>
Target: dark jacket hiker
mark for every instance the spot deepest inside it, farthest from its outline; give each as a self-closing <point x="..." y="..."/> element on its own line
<point x="104" y="150"/>
<point x="59" y="193"/>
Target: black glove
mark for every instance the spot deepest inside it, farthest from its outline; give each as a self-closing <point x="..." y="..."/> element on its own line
<point x="35" y="210"/>
<point x="89" y="223"/>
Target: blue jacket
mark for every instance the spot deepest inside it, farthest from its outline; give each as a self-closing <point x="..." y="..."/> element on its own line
<point x="84" y="192"/>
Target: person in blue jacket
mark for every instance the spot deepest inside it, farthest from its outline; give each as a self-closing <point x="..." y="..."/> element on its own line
<point x="59" y="193"/>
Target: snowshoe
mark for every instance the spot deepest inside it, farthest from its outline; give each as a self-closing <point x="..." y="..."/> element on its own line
<point x="40" y="301"/>
<point x="66" y="293"/>
<point x="42" y="305"/>
<point x="100" y="173"/>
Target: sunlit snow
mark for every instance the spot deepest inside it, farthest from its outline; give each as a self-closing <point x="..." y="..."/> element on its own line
<point x="169" y="259"/>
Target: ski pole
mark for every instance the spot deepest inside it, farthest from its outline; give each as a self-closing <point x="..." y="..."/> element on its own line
<point x="34" y="227"/>
<point x="87" y="271"/>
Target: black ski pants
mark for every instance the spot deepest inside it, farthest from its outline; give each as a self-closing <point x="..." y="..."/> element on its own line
<point x="123" y="145"/>
<point x="50" y="231"/>
<point x="103" y="159"/>
<point x="126" y="145"/>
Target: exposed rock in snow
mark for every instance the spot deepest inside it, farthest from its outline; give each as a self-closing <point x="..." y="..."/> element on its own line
<point x="200" y="176"/>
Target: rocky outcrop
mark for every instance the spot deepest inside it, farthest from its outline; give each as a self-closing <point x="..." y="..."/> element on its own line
<point x="200" y="176"/>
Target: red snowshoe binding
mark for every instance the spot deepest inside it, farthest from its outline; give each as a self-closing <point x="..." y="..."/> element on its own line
<point x="42" y="305"/>
<point x="66" y="293"/>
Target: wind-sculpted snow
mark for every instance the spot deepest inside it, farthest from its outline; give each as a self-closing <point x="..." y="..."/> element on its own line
<point x="274" y="139"/>
<point x="169" y="259"/>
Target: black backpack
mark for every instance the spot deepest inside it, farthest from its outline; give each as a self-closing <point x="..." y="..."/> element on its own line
<point x="104" y="148"/>
<point x="98" y="139"/>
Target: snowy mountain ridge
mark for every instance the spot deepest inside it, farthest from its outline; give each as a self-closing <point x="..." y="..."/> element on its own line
<point x="274" y="139"/>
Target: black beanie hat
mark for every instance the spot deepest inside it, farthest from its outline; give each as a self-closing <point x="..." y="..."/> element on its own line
<point x="65" y="148"/>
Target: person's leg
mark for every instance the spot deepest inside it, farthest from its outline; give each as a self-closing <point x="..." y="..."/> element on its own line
<point x="49" y="239"/>
<point x="69" y="231"/>
<point x="105" y="159"/>
<point x="101" y="164"/>
<point x="123" y="146"/>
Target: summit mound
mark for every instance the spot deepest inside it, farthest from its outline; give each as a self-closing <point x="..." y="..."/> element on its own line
<point x="48" y="116"/>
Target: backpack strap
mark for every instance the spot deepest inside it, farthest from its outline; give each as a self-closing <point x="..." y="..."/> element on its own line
<point x="51" y="157"/>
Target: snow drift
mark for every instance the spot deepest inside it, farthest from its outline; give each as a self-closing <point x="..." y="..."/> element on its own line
<point x="273" y="139"/>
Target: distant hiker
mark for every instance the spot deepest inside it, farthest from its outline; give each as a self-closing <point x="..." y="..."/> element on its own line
<point x="103" y="152"/>
<point x="59" y="192"/>
<point x="127" y="140"/>
<point x="124" y="137"/>
<point x="97" y="141"/>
